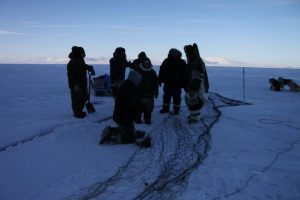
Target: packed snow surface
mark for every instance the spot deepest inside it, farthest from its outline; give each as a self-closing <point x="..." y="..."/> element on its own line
<point x="246" y="145"/>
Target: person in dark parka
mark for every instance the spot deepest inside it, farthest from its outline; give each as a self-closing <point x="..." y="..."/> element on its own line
<point x="126" y="103"/>
<point x="118" y="64"/>
<point x="77" y="80"/>
<point x="148" y="90"/>
<point x="171" y="73"/>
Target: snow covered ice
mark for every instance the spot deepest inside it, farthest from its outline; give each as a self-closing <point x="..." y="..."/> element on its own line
<point x="249" y="152"/>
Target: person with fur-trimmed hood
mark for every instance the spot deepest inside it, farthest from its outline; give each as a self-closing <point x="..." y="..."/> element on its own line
<point x="148" y="89"/>
<point x="171" y="73"/>
<point x="196" y="82"/>
<point x="77" y="80"/>
<point x="118" y="64"/>
<point x="136" y="63"/>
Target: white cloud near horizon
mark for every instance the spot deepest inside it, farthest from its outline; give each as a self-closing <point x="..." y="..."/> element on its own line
<point x="63" y="25"/>
<point x="12" y="33"/>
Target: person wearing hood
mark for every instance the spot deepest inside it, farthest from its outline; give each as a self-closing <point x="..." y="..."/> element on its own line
<point x="118" y="64"/>
<point x="126" y="103"/>
<point x="77" y="80"/>
<point x="196" y="82"/>
<point x="171" y="74"/>
<point x="148" y="90"/>
<point x="136" y="63"/>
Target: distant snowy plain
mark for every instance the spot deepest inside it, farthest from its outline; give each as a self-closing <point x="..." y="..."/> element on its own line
<point x="252" y="151"/>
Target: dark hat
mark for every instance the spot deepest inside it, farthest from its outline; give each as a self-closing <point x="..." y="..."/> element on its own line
<point x="119" y="50"/>
<point x="142" y="55"/>
<point x="82" y="52"/>
<point x="175" y="52"/>
<point x="75" y="53"/>
<point x="74" y="48"/>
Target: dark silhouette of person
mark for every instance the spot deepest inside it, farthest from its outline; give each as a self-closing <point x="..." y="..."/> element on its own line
<point x="148" y="90"/>
<point x="118" y="64"/>
<point x="196" y="82"/>
<point x="126" y="103"/>
<point x="77" y="80"/>
<point x="171" y="73"/>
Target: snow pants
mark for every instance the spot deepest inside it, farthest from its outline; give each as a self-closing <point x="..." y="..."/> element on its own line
<point x="127" y="133"/>
<point x="146" y="107"/>
<point x="78" y="100"/>
<point x="194" y="102"/>
<point x="115" y="87"/>
<point x="171" y="91"/>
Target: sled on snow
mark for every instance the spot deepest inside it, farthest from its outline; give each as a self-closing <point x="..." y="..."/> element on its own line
<point x="101" y="85"/>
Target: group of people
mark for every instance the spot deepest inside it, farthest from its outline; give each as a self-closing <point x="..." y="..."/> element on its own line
<point x="134" y="96"/>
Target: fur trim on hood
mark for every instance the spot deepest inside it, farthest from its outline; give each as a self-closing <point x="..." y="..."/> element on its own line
<point x="146" y="65"/>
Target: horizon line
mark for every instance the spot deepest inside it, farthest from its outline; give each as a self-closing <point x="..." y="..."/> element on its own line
<point x="207" y="65"/>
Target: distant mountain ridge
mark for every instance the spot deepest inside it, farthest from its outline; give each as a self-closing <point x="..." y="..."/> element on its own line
<point x="209" y="61"/>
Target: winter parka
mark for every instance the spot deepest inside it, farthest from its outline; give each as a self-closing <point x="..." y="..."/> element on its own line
<point x="172" y="72"/>
<point x="117" y="69"/>
<point x="149" y="83"/>
<point x="196" y="69"/>
<point x="77" y="69"/>
<point x="196" y="82"/>
<point x="125" y="103"/>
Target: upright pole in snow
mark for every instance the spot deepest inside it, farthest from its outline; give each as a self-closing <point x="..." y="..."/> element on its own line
<point x="244" y="84"/>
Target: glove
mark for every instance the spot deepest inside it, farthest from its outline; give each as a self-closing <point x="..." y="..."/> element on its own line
<point x="77" y="89"/>
<point x="93" y="73"/>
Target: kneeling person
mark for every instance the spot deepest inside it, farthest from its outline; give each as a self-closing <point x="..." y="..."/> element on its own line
<point x="125" y="106"/>
<point x="125" y="111"/>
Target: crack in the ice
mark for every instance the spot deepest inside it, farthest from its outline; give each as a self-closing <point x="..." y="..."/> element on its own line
<point x="277" y="122"/>
<point x="42" y="133"/>
<point x="245" y="185"/>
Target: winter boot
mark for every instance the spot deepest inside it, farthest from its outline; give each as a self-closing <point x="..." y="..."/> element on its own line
<point x="193" y="119"/>
<point x="145" y="143"/>
<point x="140" y="134"/>
<point x="106" y="134"/>
<point x="80" y="115"/>
<point x="165" y="109"/>
<point x="138" y="121"/>
<point x="148" y="121"/>
<point x="176" y="110"/>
